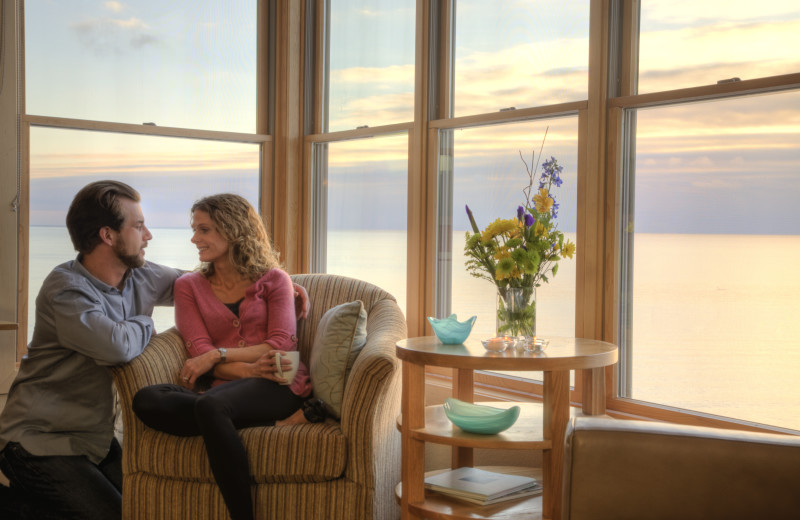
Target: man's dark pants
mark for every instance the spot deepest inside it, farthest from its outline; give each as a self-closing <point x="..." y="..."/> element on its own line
<point x="60" y="487"/>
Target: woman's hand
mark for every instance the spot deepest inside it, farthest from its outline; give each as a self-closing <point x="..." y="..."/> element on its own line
<point x="302" y="305"/>
<point x="197" y="366"/>
<point x="267" y="366"/>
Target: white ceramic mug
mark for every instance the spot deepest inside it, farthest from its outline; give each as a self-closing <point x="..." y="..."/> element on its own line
<point x="289" y="373"/>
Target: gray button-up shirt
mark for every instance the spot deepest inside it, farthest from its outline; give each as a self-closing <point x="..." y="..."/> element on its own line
<point x="61" y="402"/>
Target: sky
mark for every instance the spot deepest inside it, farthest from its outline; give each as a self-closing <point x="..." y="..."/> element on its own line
<point x="722" y="167"/>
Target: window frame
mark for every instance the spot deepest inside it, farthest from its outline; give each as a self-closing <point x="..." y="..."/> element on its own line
<point x="265" y="13"/>
<point x="624" y="126"/>
<point x="291" y="101"/>
<point x="623" y="100"/>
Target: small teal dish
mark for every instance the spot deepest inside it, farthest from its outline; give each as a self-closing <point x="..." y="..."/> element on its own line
<point x="477" y="418"/>
<point x="450" y="331"/>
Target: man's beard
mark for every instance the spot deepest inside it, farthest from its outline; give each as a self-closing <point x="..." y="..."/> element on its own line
<point x="130" y="261"/>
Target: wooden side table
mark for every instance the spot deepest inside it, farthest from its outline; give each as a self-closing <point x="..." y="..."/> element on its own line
<point x="541" y="426"/>
<point x="8" y="325"/>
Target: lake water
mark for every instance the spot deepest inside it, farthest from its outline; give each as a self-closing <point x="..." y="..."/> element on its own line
<point x="716" y="318"/>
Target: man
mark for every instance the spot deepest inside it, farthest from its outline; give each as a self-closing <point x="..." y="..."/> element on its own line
<point x="57" y="428"/>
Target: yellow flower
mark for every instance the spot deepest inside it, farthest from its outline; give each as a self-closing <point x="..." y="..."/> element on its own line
<point x="568" y="250"/>
<point x="503" y="252"/>
<point x="542" y="201"/>
<point x="540" y="230"/>
<point x="504" y="268"/>
<point x="498" y="227"/>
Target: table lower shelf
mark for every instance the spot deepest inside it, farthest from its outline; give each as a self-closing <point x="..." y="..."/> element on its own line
<point x="527" y="433"/>
<point x="440" y="507"/>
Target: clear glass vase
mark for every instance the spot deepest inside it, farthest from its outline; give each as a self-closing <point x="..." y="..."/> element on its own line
<point x="516" y="312"/>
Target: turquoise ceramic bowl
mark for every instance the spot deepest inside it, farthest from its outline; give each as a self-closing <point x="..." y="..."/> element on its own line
<point x="450" y="331"/>
<point x="476" y="418"/>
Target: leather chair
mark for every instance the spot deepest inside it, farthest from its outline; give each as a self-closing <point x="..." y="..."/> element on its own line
<point x="636" y="470"/>
<point x="345" y="469"/>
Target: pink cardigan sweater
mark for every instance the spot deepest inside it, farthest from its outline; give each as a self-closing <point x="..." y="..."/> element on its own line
<point x="266" y="315"/>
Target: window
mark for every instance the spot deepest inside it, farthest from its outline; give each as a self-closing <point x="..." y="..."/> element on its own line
<point x="126" y="71"/>
<point x="507" y="57"/>
<point x="181" y="63"/>
<point x="170" y="174"/>
<point x="360" y="163"/>
<point x="709" y="233"/>
<point x="678" y="168"/>
<point x="371" y="77"/>
<point x="715" y="241"/>
<point x="488" y="175"/>
<point x="519" y="54"/>
<point x="685" y="43"/>
<point x="363" y="211"/>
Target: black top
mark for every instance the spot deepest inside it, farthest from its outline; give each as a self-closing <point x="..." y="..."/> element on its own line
<point x="234" y="307"/>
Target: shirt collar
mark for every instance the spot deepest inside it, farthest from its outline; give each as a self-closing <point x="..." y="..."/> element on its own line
<point x="79" y="268"/>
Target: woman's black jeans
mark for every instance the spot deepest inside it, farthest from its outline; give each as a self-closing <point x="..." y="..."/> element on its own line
<point x="217" y="414"/>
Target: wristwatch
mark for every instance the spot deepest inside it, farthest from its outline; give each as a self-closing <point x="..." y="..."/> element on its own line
<point x="223" y="355"/>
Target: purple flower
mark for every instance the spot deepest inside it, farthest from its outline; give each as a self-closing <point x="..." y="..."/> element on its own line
<point x="529" y="220"/>
<point x="472" y="220"/>
<point x="520" y="212"/>
<point x="555" y="209"/>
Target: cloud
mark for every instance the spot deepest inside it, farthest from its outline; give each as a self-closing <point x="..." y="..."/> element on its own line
<point x="50" y="166"/>
<point x="368" y="13"/>
<point x="114" y="35"/>
<point x="703" y="54"/>
<point x="523" y="75"/>
<point x="116" y="7"/>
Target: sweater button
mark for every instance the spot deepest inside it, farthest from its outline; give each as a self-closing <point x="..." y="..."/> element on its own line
<point x="235" y="323"/>
<point x="241" y="343"/>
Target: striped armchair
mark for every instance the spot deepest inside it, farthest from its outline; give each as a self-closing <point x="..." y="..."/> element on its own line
<point x="337" y="469"/>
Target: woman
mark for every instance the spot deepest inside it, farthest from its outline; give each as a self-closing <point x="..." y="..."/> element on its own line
<point x="235" y="313"/>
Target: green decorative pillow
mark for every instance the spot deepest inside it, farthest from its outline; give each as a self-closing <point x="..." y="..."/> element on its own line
<point x="341" y="334"/>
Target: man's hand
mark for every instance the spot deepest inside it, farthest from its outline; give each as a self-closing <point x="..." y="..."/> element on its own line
<point x="302" y="305"/>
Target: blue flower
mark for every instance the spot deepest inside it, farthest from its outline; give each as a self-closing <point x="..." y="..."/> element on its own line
<point x="552" y="170"/>
<point x="555" y="209"/>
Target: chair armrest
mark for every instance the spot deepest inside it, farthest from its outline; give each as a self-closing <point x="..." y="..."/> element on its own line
<point x="160" y="362"/>
<point x="371" y="400"/>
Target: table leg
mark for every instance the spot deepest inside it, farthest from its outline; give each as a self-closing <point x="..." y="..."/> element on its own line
<point x="556" y="415"/>
<point x="412" y="408"/>
<point x="594" y="390"/>
<point x="464" y="390"/>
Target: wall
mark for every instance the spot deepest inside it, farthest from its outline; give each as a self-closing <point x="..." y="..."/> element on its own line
<point x="8" y="193"/>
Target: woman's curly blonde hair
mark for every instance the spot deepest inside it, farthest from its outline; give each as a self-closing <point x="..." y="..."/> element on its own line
<point x="249" y="247"/>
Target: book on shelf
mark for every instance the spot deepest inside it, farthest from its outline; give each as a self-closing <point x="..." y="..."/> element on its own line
<point x="480" y="486"/>
<point x="534" y="490"/>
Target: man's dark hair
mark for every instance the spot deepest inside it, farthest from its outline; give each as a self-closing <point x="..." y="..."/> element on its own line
<point x="96" y="206"/>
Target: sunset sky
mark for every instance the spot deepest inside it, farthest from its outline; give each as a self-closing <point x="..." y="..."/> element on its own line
<point x="189" y="63"/>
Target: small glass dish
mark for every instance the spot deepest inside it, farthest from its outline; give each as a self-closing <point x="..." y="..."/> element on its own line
<point x="496" y="344"/>
<point x="536" y="345"/>
<point x="450" y="331"/>
<point x="476" y="418"/>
